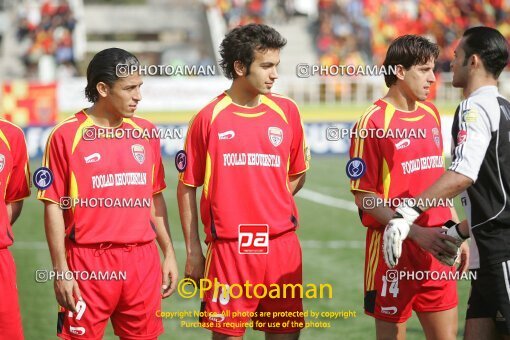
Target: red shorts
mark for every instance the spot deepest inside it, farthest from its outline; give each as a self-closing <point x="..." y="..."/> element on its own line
<point x="10" y="317"/>
<point x="130" y="299"/>
<point x="249" y="276"/>
<point x="419" y="282"/>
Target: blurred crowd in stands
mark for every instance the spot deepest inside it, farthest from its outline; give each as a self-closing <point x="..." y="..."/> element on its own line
<point x="355" y="31"/>
<point x="241" y="12"/>
<point x="45" y="29"/>
<point x="360" y="31"/>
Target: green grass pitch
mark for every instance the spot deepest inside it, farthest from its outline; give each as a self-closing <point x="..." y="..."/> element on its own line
<point x="341" y="267"/>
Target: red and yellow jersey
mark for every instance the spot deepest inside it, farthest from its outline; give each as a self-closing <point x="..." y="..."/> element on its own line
<point x="14" y="175"/>
<point x="243" y="156"/>
<point x="125" y="171"/>
<point x="406" y="161"/>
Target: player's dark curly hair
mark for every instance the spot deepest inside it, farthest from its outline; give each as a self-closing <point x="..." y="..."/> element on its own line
<point x="408" y="50"/>
<point x="241" y="43"/>
<point x="105" y="67"/>
<point x="490" y="45"/>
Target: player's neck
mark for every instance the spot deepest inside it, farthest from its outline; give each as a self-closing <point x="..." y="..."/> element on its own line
<point x="474" y="83"/>
<point x="101" y="117"/>
<point x="398" y="99"/>
<point x="242" y="96"/>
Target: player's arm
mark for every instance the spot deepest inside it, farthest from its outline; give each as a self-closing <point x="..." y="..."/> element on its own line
<point x="297" y="182"/>
<point x="159" y="217"/>
<point x="449" y="185"/>
<point x="14" y="210"/>
<point x="18" y="186"/>
<point x="188" y="212"/>
<point x="65" y="290"/>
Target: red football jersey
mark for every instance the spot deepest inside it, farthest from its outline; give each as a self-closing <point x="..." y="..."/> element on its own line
<point x="243" y="157"/>
<point x="120" y="169"/>
<point x="396" y="166"/>
<point x="14" y="175"/>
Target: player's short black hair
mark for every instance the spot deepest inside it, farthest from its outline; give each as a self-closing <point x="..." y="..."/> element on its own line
<point x="490" y="45"/>
<point x="104" y="67"/>
<point x="408" y="50"/>
<point x="241" y="43"/>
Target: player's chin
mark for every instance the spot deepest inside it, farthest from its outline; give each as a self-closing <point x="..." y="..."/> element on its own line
<point x="129" y="113"/>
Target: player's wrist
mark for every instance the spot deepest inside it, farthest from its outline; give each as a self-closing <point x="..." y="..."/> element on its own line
<point x="454" y="231"/>
<point x="409" y="214"/>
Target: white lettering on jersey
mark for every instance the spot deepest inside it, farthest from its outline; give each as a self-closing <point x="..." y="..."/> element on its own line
<point x="119" y="179"/>
<point x="251" y="159"/>
<point x="423" y="163"/>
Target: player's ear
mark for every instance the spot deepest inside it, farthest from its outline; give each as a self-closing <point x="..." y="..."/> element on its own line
<point x="239" y="68"/>
<point x="475" y="61"/>
<point x="400" y="72"/>
<point x="102" y="89"/>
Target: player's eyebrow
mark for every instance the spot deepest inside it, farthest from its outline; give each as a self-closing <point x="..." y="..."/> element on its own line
<point x="269" y="63"/>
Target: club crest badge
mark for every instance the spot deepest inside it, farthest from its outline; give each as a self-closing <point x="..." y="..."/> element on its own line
<point x="138" y="153"/>
<point x="275" y="135"/>
<point x="461" y="137"/>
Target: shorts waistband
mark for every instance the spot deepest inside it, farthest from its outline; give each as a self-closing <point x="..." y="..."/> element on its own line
<point x="109" y="245"/>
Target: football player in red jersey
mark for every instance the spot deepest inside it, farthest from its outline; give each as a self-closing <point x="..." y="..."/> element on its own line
<point x="247" y="149"/>
<point x="15" y="186"/>
<point x="86" y="162"/>
<point x="397" y="168"/>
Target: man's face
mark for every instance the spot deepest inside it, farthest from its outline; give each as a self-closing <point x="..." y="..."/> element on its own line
<point x="123" y="97"/>
<point x="459" y="67"/>
<point x="418" y="79"/>
<point x="263" y="70"/>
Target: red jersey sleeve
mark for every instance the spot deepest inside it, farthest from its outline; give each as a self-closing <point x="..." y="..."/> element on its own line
<point x="56" y="159"/>
<point x="367" y="149"/>
<point x="299" y="152"/>
<point x="19" y="180"/>
<point x="196" y="151"/>
<point x="158" y="171"/>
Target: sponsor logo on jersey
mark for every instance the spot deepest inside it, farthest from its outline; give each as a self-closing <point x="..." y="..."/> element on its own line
<point x="470" y="115"/>
<point x="217" y="317"/>
<point x="95" y="157"/>
<point x="389" y="310"/>
<point x="355" y="168"/>
<point x="404" y="143"/>
<point x="77" y="330"/>
<point x="461" y="137"/>
<point x="181" y="161"/>
<point x="138" y="153"/>
<point x="43" y="177"/>
<point x="253" y="239"/>
<point x="500" y="317"/>
<point x="2" y="162"/>
<point x="275" y="135"/>
<point x="226" y="135"/>
<point x="437" y="136"/>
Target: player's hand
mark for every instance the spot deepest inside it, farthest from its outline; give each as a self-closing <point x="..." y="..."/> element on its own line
<point x="170" y="275"/>
<point x="432" y="240"/>
<point x="65" y="292"/>
<point x="395" y="233"/>
<point x="453" y="242"/>
<point x="195" y="266"/>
